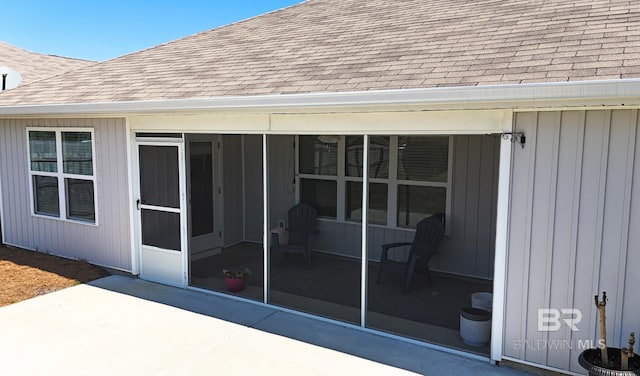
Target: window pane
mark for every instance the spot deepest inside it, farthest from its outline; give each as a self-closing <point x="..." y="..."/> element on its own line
<point x="378" y="156"/>
<point x="80" y="204"/>
<point x="377" y="202"/>
<point x="161" y="229"/>
<point x="319" y="157"/>
<point x="76" y="153"/>
<point x="321" y="195"/>
<point x="423" y="158"/>
<point x="45" y="192"/>
<point x="42" y="149"/>
<point x="416" y="203"/>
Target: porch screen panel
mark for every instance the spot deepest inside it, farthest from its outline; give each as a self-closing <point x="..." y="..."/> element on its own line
<point x="318" y="155"/>
<point x="378" y="156"/>
<point x="423" y="158"/>
<point x="318" y="166"/>
<point x="377" y="202"/>
<point x="161" y="229"/>
<point x="418" y="202"/>
<point x="159" y="181"/>
<point x="201" y="173"/>
<point x="314" y="277"/>
<point x="321" y="195"/>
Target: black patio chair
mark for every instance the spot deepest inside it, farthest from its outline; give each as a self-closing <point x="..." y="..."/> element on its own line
<point x="429" y="232"/>
<point x="299" y="235"/>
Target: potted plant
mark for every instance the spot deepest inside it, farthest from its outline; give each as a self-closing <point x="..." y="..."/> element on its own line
<point x="609" y="361"/>
<point x="236" y="280"/>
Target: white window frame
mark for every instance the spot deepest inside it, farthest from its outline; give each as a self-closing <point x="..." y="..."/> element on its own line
<point x="392" y="184"/>
<point x="338" y="178"/>
<point x="61" y="175"/>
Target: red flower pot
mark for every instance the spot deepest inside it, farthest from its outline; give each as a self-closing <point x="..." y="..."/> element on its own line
<point x="235" y="284"/>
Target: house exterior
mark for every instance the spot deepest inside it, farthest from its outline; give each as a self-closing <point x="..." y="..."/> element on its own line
<point x="98" y="163"/>
<point x="21" y="67"/>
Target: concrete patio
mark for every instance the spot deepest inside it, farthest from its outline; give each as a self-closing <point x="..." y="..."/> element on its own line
<point x="125" y="326"/>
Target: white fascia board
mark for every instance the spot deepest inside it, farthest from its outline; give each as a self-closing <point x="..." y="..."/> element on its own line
<point x="536" y="95"/>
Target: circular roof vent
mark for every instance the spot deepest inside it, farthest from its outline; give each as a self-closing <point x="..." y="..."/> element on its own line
<point x="10" y="78"/>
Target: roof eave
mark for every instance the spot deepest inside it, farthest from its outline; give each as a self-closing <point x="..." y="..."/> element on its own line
<point x="623" y="92"/>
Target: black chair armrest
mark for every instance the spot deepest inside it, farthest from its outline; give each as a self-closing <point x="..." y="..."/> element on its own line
<point x="386" y="247"/>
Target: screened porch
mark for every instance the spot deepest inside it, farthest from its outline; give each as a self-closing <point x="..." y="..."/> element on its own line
<point x="410" y="178"/>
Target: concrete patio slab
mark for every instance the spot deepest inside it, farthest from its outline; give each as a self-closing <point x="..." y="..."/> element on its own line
<point x="125" y="326"/>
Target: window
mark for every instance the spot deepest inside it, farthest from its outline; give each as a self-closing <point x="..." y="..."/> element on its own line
<point x="408" y="177"/>
<point x="378" y="178"/>
<point x="423" y="172"/>
<point x="318" y="167"/>
<point x="62" y="173"/>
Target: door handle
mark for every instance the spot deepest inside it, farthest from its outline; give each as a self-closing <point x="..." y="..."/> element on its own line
<point x="138" y="204"/>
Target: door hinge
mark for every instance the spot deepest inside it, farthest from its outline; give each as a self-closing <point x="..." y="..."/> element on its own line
<point x="220" y="234"/>
<point x="218" y="144"/>
<point x="219" y="190"/>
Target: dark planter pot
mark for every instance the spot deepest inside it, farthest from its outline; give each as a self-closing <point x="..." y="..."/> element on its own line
<point x="590" y="360"/>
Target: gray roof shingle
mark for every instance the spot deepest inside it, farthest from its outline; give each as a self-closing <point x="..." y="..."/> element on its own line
<point x="34" y="66"/>
<point x="357" y="45"/>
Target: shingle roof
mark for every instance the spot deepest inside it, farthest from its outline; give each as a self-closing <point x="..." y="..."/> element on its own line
<point x="35" y="66"/>
<point x="356" y="45"/>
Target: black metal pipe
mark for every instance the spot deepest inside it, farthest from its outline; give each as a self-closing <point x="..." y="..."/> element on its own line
<point x="4" y="81"/>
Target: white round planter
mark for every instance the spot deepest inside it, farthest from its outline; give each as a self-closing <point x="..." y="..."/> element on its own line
<point x="475" y="326"/>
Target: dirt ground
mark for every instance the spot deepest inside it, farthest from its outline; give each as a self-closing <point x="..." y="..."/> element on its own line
<point x="25" y="274"/>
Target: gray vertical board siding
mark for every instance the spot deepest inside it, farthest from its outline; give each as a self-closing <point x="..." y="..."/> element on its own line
<point x="470" y="235"/>
<point x="517" y="285"/>
<point x="573" y="230"/>
<point x="469" y="249"/>
<point x="588" y="237"/>
<point x="542" y="225"/>
<point x="253" y="187"/>
<point x="563" y="256"/>
<point x="616" y="221"/>
<point x="232" y="189"/>
<point x="453" y="246"/>
<point x="281" y="178"/>
<point x="632" y="275"/>
<point x="106" y="244"/>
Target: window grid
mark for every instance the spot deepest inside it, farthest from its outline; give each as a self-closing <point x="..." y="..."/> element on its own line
<point x="62" y="177"/>
<point x="392" y="184"/>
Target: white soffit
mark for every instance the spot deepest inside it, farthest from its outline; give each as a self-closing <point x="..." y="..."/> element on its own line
<point x="223" y="123"/>
<point x="418" y="122"/>
<point x="422" y="122"/>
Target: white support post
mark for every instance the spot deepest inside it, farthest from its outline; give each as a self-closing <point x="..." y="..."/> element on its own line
<point x="133" y="173"/>
<point x="365" y="210"/>
<point x="500" y="270"/>
<point x="265" y="217"/>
